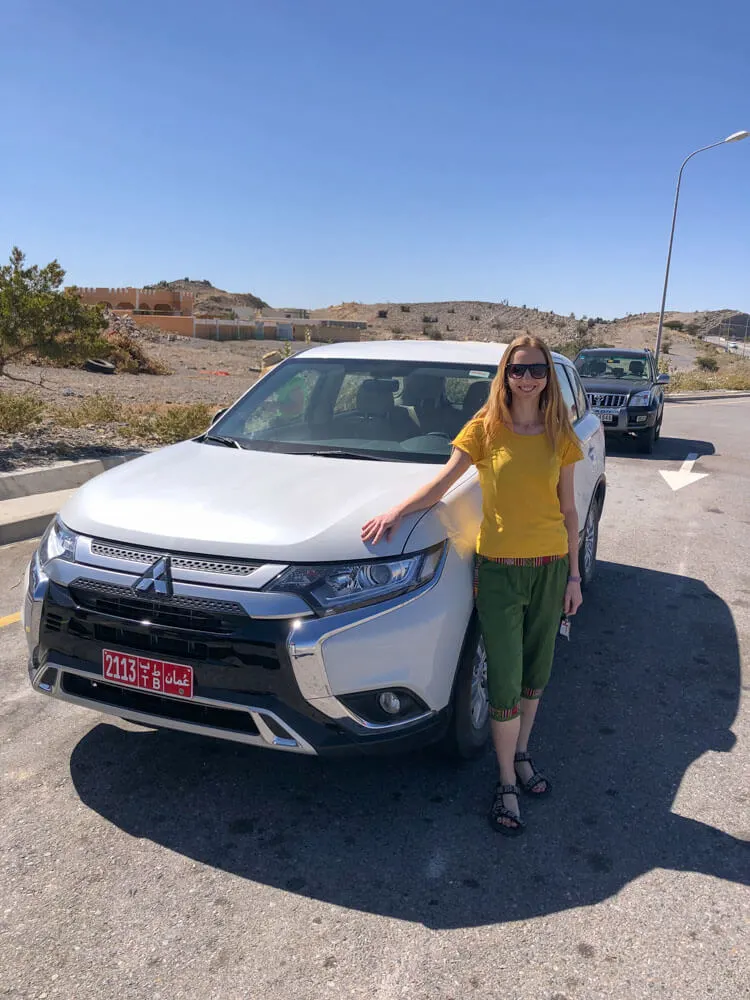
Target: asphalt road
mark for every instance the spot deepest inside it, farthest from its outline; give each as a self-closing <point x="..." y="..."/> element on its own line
<point x="138" y="864"/>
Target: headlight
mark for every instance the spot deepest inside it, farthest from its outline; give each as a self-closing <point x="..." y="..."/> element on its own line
<point x="640" y="398"/>
<point x="336" y="587"/>
<point x="58" y="542"/>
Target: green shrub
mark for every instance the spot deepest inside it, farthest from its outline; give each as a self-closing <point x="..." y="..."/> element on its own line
<point x="93" y="410"/>
<point x="674" y="324"/>
<point x="17" y="413"/>
<point x="172" y="423"/>
<point x="432" y="332"/>
<point x="707" y="363"/>
<point x="666" y="345"/>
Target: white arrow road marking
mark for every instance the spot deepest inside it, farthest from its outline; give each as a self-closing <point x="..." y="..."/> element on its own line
<point x="685" y="475"/>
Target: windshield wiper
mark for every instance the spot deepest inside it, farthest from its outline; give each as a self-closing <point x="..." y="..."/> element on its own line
<point x="230" y="442"/>
<point x="341" y="453"/>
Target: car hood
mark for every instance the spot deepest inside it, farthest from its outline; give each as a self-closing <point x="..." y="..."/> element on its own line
<point x="619" y="386"/>
<point x="212" y="500"/>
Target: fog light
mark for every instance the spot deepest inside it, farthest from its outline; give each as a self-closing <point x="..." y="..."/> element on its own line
<point x="641" y="420"/>
<point x="390" y="702"/>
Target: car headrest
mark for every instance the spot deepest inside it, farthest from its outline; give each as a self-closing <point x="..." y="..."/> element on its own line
<point x="637" y="367"/>
<point x="475" y="398"/>
<point x="375" y="396"/>
<point x="596" y="367"/>
<point x="422" y="388"/>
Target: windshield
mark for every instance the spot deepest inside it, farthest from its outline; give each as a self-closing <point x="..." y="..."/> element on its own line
<point x="616" y="366"/>
<point x="401" y="411"/>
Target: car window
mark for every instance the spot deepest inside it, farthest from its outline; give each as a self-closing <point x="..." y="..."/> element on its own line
<point x="601" y="365"/>
<point x="285" y="405"/>
<point x="372" y="408"/>
<point x="578" y="390"/>
<point x="346" y="401"/>
<point x="567" y="393"/>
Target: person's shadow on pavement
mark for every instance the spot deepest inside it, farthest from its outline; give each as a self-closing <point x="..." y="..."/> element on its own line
<point x="649" y="682"/>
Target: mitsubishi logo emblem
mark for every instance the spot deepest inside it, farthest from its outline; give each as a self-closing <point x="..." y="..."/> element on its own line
<point x="156" y="579"/>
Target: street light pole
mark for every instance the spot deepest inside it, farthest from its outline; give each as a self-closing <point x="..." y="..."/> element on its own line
<point x="735" y="137"/>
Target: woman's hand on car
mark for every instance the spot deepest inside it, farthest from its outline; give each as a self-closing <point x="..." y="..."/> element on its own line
<point x="381" y="526"/>
<point x="573" y="599"/>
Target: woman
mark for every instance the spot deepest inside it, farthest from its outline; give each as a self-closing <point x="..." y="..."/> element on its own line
<point x="524" y="448"/>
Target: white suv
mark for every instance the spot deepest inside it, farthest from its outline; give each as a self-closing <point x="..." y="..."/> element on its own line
<point x="220" y="585"/>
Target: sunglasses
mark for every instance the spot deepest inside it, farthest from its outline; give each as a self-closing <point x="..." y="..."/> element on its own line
<point x="538" y="371"/>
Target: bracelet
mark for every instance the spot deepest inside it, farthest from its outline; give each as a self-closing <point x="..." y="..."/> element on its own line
<point x="574" y="579"/>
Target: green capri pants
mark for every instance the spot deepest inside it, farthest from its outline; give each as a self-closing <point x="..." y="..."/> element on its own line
<point x="519" y="609"/>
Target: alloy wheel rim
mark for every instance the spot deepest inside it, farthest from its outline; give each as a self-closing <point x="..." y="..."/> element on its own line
<point x="588" y="544"/>
<point x="480" y="703"/>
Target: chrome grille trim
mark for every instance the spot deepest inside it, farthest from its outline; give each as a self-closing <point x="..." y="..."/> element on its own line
<point x="606" y="399"/>
<point x="195" y="564"/>
<point x="292" y="742"/>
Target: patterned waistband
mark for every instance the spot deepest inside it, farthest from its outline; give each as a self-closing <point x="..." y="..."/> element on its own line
<point x="521" y="560"/>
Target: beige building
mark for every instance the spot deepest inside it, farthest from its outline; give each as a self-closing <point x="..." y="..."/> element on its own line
<point x="173" y="312"/>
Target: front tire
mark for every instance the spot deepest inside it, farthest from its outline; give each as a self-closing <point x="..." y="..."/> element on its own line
<point x="470" y="721"/>
<point x="657" y="433"/>
<point x="589" y="545"/>
<point x="646" y="441"/>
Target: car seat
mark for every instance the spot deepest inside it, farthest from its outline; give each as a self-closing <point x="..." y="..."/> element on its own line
<point x="637" y="368"/>
<point x="423" y="396"/>
<point x="377" y="409"/>
<point x="476" y="396"/>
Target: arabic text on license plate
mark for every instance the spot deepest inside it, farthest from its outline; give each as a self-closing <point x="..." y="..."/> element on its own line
<point x="608" y="418"/>
<point x="147" y="674"/>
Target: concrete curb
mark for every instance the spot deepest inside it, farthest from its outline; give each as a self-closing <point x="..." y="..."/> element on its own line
<point x="60" y="476"/>
<point x="27" y="517"/>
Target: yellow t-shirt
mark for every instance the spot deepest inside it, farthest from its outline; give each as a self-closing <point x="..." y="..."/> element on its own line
<point x="519" y="475"/>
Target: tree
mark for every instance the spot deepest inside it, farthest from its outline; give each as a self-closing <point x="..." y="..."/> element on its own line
<point x="38" y="319"/>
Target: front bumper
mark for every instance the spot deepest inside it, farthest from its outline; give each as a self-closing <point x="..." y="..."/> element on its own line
<point x="277" y="682"/>
<point x="626" y="420"/>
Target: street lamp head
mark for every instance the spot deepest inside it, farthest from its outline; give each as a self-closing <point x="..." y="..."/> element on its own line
<point x="736" y="136"/>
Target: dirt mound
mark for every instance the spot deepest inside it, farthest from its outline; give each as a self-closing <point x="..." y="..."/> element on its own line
<point x="212" y="301"/>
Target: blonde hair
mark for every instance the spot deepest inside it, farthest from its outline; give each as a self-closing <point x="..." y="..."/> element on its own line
<point x="496" y="411"/>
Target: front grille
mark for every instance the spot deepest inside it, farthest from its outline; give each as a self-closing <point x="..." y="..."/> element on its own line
<point x="193" y="613"/>
<point x="156" y="643"/>
<point x="606" y="399"/>
<point x="157" y="706"/>
<point x="233" y="567"/>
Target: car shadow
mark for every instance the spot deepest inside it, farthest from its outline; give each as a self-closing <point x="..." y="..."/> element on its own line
<point x="666" y="449"/>
<point x="646" y="685"/>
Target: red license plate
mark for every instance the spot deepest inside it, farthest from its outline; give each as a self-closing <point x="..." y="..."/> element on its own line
<point x="147" y="674"/>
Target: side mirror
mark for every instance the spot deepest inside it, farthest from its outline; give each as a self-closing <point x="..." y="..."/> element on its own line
<point x="662" y="379"/>
<point x="219" y="413"/>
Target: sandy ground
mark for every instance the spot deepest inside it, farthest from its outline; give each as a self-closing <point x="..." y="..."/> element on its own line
<point x="194" y="365"/>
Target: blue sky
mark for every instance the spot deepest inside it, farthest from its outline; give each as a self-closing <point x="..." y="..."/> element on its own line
<point x="316" y="151"/>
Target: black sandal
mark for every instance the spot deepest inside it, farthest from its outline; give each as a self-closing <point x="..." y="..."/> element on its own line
<point x="498" y="812"/>
<point x="535" y="780"/>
